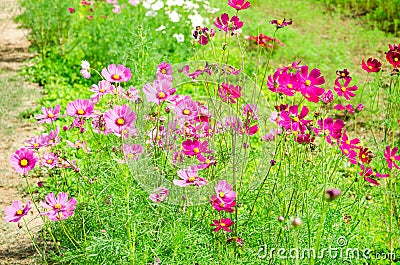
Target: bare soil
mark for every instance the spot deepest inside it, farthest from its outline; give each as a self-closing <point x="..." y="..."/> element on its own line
<point x="16" y="96"/>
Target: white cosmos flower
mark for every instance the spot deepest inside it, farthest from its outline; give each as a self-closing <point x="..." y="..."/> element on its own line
<point x="174" y="16"/>
<point x="197" y="20"/>
<point x="147" y="3"/>
<point x="175" y="2"/>
<point x="162" y="27"/>
<point x="179" y="37"/>
<point x="157" y="5"/>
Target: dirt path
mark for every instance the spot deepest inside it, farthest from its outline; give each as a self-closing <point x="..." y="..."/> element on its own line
<point x="16" y="97"/>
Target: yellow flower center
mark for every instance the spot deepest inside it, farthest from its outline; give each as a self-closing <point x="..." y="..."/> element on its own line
<point x="221" y="194"/>
<point x="201" y="68"/>
<point x="363" y="156"/>
<point x="280" y="22"/>
<point x="120" y="121"/>
<point x="346" y="151"/>
<point x="116" y="77"/>
<point x="49" y="161"/>
<point x="396" y="59"/>
<point x="192" y="178"/>
<point x="296" y="119"/>
<point x="163" y="71"/>
<point x="343" y="74"/>
<point x="369" y="67"/>
<point x="36" y="145"/>
<point x="221" y="204"/>
<point x="392" y="158"/>
<point x="51" y="115"/>
<point x="24" y="162"/>
<point x="57" y="206"/>
<point x="222" y="224"/>
<point x="161" y="95"/>
<point x="196" y="150"/>
<point x="343" y="89"/>
<point x="307" y="95"/>
<point x="347" y="141"/>
<point x="124" y="132"/>
<point x="327" y="131"/>
<point x="80" y="111"/>
<point x="290" y="86"/>
<point x="102" y="90"/>
<point x="60" y="216"/>
<point x="186" y="112"/>
<point x="19" y="212"/>
<point x="208" y="161"/>
<point x="307" y="82"/>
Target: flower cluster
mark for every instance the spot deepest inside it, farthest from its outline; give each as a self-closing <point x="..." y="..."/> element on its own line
<point x="223" y="200"/>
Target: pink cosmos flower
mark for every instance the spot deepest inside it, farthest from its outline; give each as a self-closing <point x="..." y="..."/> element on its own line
<point x="164" y="69"/>
<point x="391" y="157"/>
<point x="37" y="142"/>
<point x="304" y="139"/>
<point x="250" y="111"/>
<point x="195" y="147"/>
<point x="81" y="108"/>
<point x="239" y="4"/>
<point x="59" y="208"/>
<point x="226" y="24"/>
<point x="229" y="93"/>
<point x="200" y="70"/>
<point x="131" y="94"/>
<point x="206" y="162"/>
<point x="349" y="108"/>
<point x="160" y="91"/>
<point x="281" y="23"/>
<point x="23" y="161"/>
<point x="53" y="137"/>
<point x="120" y="120"/>
<point x="117" y="9"/>
<point x="370" y="176"/>
<point x="223" y="223"/>
<point x="132" y="151"/>
<point x="372" y="65"/>
<point x="310" y="83"/>
<point x="85" y="71"/>
<point x="351" y="143"/>
<point x="225" y="192"/>
<point x="16" y="211"/>
<point x="343" y="89"/>
<point x="116" y="74"/>
<point x="189" y="177"/>
<point x="160" y="195"/>
<point x="203" y="35"/>
<point x="49" y="160"/>
<point x="104" y="87"/>
<point x="220" y="205"/>
<point x="49" y="115"/>
<point x="187" y="109"/>
<point x="283" y="82"/>
<point x="343" y="74"/>
<point x="293" y="120"/>
<point x="71" y="10"/>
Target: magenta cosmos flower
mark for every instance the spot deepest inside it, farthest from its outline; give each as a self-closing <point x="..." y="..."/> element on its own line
<point x="239" y="4"/>
<point x="293" y="120"/>
<point x="281" y="23"/>
<point x="310" y="83"/>
<point x="195" y="147"/>
<point x="116" y="74"/>
<point x="220" y="205"/>
<point x="330" y="128"/>
<point x="23" y="161"/>
<point x="50" y="160"/>
<point x="370" y="176"/>
<point x="49" y="115"/>
<point x="82" y="108"/>
<point x="189" y="177"/>
<point x="229" y="93"/>
<point x="344" y="90"/>
<point x="59" y="208"/>
<point x="160" y="91"/>
<point x="160" y="195"/>
<point x="226" y="24"/>
<point x="120" y="120"/>
<point x="164" y="68"/>
<point x="16" y="211"/>
<point x="104" y="87"/>
<point x="223" y="223"/>
<point x="391" y="157"/>
<point x="372" y="65"/>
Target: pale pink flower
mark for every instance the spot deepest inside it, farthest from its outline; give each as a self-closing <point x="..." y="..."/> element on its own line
<point x="59" y="208"/>
<point x="116" y="74"/>
<point x="16" y="211"/>
<point x="120" y="120"/>
<point x="159" y="91"/>
<point x="49" y="115"/>
<point x="189" y="177"/>
<point x="23" y="161"/>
